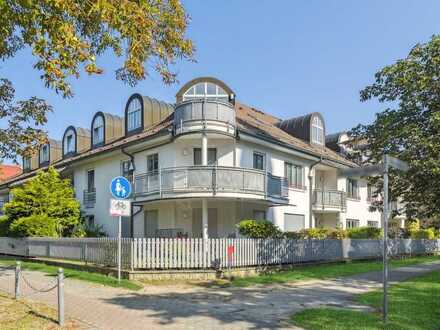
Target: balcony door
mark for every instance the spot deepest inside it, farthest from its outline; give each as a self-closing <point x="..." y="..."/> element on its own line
<point x="197" y="230"/>
<point x="319" y="179"/>
<point x="90" y="180"/>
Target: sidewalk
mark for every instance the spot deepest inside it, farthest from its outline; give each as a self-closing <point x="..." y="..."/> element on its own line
<point x="190" y="307"/>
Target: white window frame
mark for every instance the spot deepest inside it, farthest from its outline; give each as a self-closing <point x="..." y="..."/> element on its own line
<point x="27" y="163"/>
<point x="44" y="153"/>
<point x="69" y="147"/>
<point x="353" y="223"/>
<point x="294" y="183"/>
<point x="220" y="93"/>
<point x="99" y="130"/>
<point x="317" y="130"/>
<point x="263" y="155"/>
<point x="370" y="223"/>
<point x="134" y="115"/>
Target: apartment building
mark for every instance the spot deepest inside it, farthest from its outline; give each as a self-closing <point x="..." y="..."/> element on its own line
<point x="201" y="165"/>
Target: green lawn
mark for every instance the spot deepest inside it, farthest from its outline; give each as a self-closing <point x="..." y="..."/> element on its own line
<point x="413" y="305"/>
<point x="72" y="273"/>
<point x="326" y="271"/>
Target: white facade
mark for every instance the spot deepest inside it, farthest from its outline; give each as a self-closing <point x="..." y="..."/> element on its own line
<point x="176" y="197"/>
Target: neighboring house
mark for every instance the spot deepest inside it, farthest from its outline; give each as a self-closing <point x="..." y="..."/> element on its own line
<point x="7" y="172"/>
<point x="200" y="166"/>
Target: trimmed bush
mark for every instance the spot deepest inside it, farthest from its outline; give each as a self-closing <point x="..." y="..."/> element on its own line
<point x="423" y="234"/>
<point x="4" y="226"/>
<point x="34" y="225"/>
<point x="258" y="229"/>
<point x="365" y="233"/>
<point x="314" y="233"/>
<point x="338" y="233"/>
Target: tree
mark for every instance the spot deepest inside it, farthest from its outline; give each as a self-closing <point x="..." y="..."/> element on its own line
<point x="409" y="127"/>
<point x="46" y="196"/>
<point x="68" y="36"/>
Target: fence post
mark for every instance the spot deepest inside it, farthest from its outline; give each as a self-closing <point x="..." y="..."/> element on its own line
<point x="60" y="297"/>
<point x="17" y="279"/>
<point x="132" y="254"/>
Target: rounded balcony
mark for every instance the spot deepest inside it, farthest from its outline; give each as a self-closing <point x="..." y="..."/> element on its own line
<point x="211" y="181"/>
<point x="204" y="115"/>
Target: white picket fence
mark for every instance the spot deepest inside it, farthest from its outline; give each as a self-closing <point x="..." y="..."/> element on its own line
<point x="214" y="253"/>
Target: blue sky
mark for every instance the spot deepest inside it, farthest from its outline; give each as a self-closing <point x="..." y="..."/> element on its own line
<point x="287" y="58"/>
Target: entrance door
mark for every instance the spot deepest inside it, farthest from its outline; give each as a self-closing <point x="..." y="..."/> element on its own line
<point x="197" y="228"/>
<point x="151" y="223"/>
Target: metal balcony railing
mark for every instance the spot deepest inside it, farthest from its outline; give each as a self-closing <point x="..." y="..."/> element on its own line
<point x="329" y="199"/>
<point x="211" y="180"/>
<point x="89" y="197"/>
<point x="204" y="115"/>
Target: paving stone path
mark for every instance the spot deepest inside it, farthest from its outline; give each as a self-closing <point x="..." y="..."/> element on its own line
<point x="192" y="307"/>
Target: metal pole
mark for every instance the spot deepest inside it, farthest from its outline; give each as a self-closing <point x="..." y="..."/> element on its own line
<point x="119" y="248"/>
<point x="60" y="297"/>
<point x="385" y="239"/>
<point x="17" y="279"/>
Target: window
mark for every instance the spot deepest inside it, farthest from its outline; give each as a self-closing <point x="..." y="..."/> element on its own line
<point x="98" y="130"/>
<point x="44" y="154"/>
<point x="352" y="189"/>
<point x="294" y="175"/>
<point x="212" y="156"/>
<point x="153" y="163"/>
<point x="27" y="163"/>
<point x="134" y="115"/>
<point x="374" y="224"/>
<point x="205" y="90"/>
<point x="259" y="215"/>
<point x="127" y="170"/>
<point x="294" y="222"/>
<point x="353" y="223"/>
<point x="91" y="180"/>
<point x="69" y="141"/>
<point x="259" y="161"/>
<point x="317" y="130"/>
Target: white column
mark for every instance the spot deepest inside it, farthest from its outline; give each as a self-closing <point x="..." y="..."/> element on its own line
<point x="204" y="201"/>
<point x="342" y="220"/>
<point x="205" y="218"/>
<point x="204" y="149"/>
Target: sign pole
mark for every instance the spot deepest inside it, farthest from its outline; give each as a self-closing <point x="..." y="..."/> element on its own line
<point x="119" y="248"/>
<point x="385" y="238"/>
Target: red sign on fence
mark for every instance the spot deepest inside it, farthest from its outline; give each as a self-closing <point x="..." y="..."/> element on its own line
<point x="230" y="250"/>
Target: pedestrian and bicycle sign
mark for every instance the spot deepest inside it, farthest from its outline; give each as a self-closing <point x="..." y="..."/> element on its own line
<point x="120" y="187"/>
<point x="120" y="208"/>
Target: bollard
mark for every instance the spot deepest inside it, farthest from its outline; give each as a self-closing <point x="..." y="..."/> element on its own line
<point x="60" y="297"/>
<point x="17" y="279"/>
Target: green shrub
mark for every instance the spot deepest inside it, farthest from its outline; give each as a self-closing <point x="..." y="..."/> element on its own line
<point x="365" y="233"/>
<point x="338" y="233"/>
<point x="314" y="233"/>
<point x="258" y="229"/>
<point x="292" y="235"/>
<point x="34" y="225"/>
<point x="4" y="226"/>
<point x="423" y="234"/>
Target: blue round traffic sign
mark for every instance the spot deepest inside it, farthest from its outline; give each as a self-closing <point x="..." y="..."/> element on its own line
<point x="120" y="187"/>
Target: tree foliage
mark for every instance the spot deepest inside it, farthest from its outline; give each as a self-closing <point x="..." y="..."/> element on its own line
<point x="409" y="127"/>
<point x="67" y="37"/>
<point x="44" y="196"/>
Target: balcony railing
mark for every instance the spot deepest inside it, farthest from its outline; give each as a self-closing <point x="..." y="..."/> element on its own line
<point x="211" y="180"/>
<point x="329" y="199"/>
<point x="89" y="197"/>
<point x="204" y="115"/>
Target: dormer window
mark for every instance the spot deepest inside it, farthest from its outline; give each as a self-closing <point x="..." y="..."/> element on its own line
<point x="69" y="142"/>
<point x="206" y="90"/>
<point x="44" y="154"/>
<point x="26" y="163"/>
<point x="317" y="130"/>
<point x="134" y="115"/>
<point x="98" y="130"/>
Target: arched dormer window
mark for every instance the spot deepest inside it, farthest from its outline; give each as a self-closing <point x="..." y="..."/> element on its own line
<point x="133" y="114"/>
<point x="98" y="130"/>
<point x="317" y="130"/>
<point x="206" y="90"/>
<point x="69" y="142"/>
<point x="44" y="155"/>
